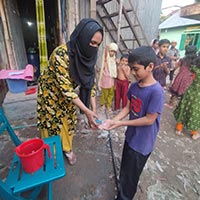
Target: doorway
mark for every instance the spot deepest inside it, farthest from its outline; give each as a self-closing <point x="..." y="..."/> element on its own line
<point x="27" y="12"/>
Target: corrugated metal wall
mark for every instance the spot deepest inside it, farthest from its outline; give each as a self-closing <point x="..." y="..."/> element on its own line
<point x="148" y="12"/>
<point x="84" y="9"/>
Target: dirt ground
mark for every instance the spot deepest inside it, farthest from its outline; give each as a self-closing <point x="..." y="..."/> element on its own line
<point x="171" y="173"/>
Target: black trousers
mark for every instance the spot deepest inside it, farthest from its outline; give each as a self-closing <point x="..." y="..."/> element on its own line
<point x="132" y="165"/>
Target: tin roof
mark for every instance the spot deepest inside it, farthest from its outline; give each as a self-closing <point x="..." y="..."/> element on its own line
<point x="176" y="21"/>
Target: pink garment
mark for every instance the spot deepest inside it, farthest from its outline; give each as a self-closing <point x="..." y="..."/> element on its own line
<point x="155" y="50"/>
<point x="106" y="80"/>
<point x="26" y="74"/>
<point x="182" y="81"/>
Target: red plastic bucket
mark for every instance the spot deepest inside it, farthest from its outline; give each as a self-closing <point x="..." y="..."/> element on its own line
<point x="31" y="154"/>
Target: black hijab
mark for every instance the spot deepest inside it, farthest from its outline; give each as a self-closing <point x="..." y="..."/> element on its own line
<point x="83" y="57"/>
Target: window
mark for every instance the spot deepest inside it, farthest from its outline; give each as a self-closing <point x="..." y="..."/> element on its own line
<point x="190" y="38"/>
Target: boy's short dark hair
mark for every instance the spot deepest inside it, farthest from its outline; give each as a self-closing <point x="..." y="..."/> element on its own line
<point x="163" y="41"/>
<point x="143" y="56"/>
<point x="124" y="56"/>
<point x="155" y="40"/>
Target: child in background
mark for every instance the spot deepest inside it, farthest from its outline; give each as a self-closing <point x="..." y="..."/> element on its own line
<point x="107" y="77"/>
<point x="154" y="45"/>
<point x="184" y="78"/>
<point x="174" y="55"/>
<point x="144" y="106"/>
<point x="163" y="63"/>
<point x="122" y="82"/>
<point x="187" y="113"/>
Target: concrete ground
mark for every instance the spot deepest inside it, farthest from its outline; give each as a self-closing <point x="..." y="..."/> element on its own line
<point x="171" y="173"/>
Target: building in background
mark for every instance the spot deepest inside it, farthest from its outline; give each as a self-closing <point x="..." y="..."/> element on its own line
<point x="181" y="29"/>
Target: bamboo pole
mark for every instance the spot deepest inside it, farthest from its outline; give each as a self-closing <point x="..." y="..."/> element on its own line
<point x="119" y="22"/>
<point x="41" y="30"/>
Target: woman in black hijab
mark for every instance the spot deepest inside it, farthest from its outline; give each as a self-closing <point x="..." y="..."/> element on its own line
<point x="83" y="57"/>
<point x="69" y="66"/>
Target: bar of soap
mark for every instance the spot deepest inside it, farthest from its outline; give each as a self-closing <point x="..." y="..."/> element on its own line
<point x="98" y="121"/>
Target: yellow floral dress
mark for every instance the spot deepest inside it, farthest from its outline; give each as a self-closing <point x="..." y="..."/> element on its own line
<point x="55" y="94"/>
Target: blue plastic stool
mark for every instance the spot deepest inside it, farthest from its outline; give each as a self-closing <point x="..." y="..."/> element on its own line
<point x="19" y="181"/>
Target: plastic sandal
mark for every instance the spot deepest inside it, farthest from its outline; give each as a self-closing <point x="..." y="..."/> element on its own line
<point x="179" y="132"/>
<point x="71" y="157"/>
<point x="195" y="136"/>
<point x="109" y="110"/>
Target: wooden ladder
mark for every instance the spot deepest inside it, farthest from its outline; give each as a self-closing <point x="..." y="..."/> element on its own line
<point x="125" y="30"/>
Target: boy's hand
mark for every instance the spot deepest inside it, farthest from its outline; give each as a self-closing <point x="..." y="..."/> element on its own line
<point x="109" y="124"/>
<point x="164" y="64"/>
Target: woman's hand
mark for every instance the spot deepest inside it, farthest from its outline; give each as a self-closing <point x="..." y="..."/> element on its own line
<point x="91" y="116"/>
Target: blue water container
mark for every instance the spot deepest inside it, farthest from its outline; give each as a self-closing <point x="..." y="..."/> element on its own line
<point x="16" y="85"/>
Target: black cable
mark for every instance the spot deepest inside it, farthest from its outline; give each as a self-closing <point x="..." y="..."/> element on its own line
<point x="112" y="156"/>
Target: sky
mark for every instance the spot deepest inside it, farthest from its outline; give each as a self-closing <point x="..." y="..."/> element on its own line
<point x="173" y="4"/>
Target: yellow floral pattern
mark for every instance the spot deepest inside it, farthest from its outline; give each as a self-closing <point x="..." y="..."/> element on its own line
<point x="56" y="90"/>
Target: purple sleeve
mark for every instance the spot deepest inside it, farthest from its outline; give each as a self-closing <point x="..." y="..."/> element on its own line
<point x="156" y="102"/>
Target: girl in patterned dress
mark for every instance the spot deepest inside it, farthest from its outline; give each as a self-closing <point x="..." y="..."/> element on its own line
<point x="69" y="66"/>
<point x="185" y="77"/>
<point x="187" y="113"/>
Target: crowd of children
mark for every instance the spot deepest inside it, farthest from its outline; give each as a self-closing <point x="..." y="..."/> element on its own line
<point x="115" y="75"/>
<point x="143" y="101"/>
<point x="113" y="79"/>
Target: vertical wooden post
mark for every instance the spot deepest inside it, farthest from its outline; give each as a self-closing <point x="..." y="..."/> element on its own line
<point x="76" y="9"/>
<point x="119" y="22"/>
<point x="8" y="40"/>
<point x="93" y="9"/>
<point x="61" y="36"/>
